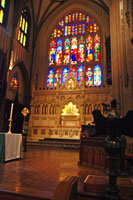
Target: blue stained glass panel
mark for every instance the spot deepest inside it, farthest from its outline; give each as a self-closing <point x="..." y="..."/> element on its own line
<point x="50" y="78"/>
<point x="57" y="77"/>
<point x="80" y="74"/>
<point x="65" y="74"/>
<point x="52" y="52"/>
<point x="89" y="76"/>
<point x="97" y="76"/>
<point x="59" y="52"/>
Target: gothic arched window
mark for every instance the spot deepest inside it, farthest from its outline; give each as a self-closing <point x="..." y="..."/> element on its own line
<point x="97" y="75"/>
<point x="4" y="5"/>
<point x="75" y="48"/>
<point x="14" y="81"/>
<point x="24" y="28"/>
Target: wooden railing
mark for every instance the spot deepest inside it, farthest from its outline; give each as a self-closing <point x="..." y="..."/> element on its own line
<point x="92" y="152"/>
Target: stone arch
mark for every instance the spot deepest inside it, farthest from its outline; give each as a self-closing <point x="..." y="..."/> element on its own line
<point x="38" y="109"/>
<point x="51" y="109"/>
<point x="90" y="109"/>
<point x="23" y="85"/>
<point x="44" y="109"/>
<point x="95" y="11"/>
<point x="54" y="109"/>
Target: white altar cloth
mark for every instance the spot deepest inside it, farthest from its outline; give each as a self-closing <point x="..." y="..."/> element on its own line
<point x="13" y="146"/>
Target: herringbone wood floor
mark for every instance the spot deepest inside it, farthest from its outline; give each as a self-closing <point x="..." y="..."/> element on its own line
<point x="40" y="171"/>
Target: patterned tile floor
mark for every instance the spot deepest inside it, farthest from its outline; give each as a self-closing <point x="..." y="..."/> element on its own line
<point x="40" y="171"/>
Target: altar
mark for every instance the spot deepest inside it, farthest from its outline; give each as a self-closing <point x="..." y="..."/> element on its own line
<point x="10" y="147"/>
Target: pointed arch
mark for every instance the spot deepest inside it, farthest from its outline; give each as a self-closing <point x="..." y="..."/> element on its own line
<point x="23" y="84"/>
<point x="24" y="27"/>
<point x="76" y="39"/>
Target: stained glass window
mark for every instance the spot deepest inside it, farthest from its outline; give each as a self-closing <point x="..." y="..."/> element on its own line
<point x="3" y="11"/>
<point x="80" y="28"/>
<point x="97" y="48"/>
<point x="69" y="18"/>
<point x="73" y="17"/>
<point x="96" y="28"/>
<point x="89" y="76"/>
<point x="69" y="30"/>
<point x="97" y="75"/>
<point x="76" y="29"/>
<point x="75" y="47"/>
<point x="24" y="26"/>
<point x="87" y="19"/>
<point x="83" y="17"/>
<point x="74" y="72"/>
<point x="57" y="77"/>
<point x="14" y="81"/>
<point x="65" y="32"/>
<point x="81" y="51"/>
<point x="65" y="74"/>
<point x="80" y="74"/>
<point x="89" y="48"/>
<point x="59" y="52"/>
<point x="66" y="19"/>
<point x="59" y="33"/>
<point x="66" y="51"/>
<point x="73" y="28"/>
<point x="83" y="28"/>
<point x="55" y="32"/>
<point x="61" y="23"/>
<point x="90" y="28"/>
<point x="80" y="16"/>
<point x="52" y="52"/>
<point x="74" y="51"/>
<point x="50" y="79"/>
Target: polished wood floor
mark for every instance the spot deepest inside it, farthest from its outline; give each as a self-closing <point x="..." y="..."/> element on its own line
<point x="40" y="171"/>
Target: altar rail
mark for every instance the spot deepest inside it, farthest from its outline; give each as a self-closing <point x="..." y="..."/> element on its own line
<point x="92" y="152"/>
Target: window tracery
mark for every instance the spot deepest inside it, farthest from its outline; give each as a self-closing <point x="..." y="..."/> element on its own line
<point x="75" y="47"/>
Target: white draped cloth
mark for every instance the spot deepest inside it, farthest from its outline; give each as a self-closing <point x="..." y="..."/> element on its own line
<point x="13" y="146"/>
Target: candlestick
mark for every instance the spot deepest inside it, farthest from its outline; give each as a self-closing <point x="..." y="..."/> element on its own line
<point x="10" y="126"/>
<point x="11" y="110"/>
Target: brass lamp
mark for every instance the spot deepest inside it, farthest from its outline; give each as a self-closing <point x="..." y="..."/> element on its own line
<point x="25" y="111"/>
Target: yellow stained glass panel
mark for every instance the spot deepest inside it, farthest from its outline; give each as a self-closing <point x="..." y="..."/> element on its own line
<point x="1" y="16"/>
<point x="24" y="41"/>
<point x="23" y="25"/>
<point x="26" y="27"/>
<point x="3" y="3"/>
<point x="21" y="38"/>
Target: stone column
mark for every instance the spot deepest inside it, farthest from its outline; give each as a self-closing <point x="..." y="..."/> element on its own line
<point x="120" y="55"/>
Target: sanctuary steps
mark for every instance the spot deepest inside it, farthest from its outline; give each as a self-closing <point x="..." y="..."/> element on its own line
<point x="56" y="143"/>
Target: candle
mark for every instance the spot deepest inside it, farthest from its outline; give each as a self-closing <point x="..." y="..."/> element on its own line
<point x="11" y="110"/>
